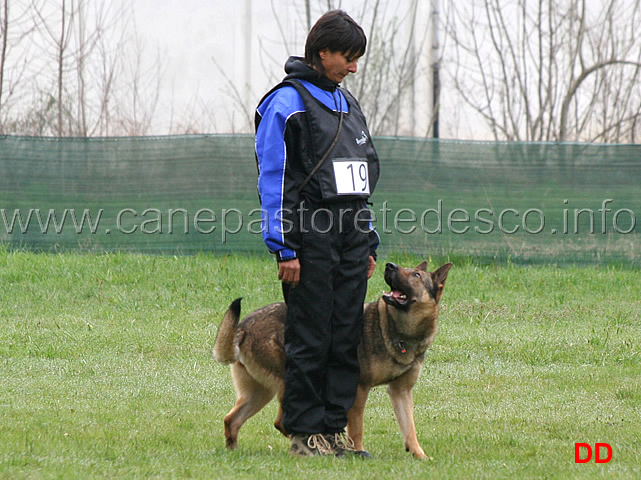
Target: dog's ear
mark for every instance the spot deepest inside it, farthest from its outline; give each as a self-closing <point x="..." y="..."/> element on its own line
<point x="422" y="266"/>
<point x="438" y="278"/>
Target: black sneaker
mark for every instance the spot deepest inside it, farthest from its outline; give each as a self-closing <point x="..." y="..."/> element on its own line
<point x="342" y="445"/>
<point x="310" y="445"/>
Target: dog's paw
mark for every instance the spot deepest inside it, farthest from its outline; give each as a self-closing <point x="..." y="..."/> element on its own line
<point x="418" y="453"/>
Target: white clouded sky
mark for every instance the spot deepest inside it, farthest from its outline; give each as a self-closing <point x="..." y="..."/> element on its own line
<point x="194" y="36"/>
<point x="249" y="40"/>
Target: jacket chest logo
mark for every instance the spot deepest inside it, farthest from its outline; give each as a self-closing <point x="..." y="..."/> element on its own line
<point x="362" y="140"/>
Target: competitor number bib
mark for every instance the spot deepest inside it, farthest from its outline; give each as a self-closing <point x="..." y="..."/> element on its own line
<point x="352" y="176"/>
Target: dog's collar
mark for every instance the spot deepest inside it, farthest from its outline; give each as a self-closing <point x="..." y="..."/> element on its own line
<point x="408" y="348"/>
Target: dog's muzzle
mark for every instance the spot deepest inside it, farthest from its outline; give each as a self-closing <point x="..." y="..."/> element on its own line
<point x="396" y="296"/>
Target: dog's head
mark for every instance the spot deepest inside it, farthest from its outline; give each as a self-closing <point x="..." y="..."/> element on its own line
<point x="414" y="287"/>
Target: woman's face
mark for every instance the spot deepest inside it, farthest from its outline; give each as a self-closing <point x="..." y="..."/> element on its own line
<point x="337" y="65"/>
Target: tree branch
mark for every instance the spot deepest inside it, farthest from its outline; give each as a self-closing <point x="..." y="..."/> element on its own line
<point x="575" y="86"/>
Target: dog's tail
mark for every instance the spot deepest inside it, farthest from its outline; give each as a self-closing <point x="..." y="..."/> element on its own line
<point x="225" y="349"/>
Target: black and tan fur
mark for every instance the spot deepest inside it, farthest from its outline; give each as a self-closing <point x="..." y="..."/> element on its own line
<point x="397" y="330"/>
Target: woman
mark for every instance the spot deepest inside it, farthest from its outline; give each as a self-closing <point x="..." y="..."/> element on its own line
<point x="317" y="167"/>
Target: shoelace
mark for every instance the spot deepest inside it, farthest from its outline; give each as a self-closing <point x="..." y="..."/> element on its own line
<point x="344" y="441"/>
<point x="319" y="442"/>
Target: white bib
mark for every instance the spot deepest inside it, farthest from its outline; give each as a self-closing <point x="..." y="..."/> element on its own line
<point x="352" y="177"/>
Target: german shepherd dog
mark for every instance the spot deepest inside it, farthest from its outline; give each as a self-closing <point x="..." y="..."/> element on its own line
<point x="397" y="330"/>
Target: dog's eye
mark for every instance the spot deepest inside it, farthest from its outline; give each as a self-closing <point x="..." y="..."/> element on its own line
<point x="417" y="275"/>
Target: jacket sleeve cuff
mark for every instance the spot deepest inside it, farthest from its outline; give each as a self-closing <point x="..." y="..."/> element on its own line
<point x="374" y="241"/>
<point x="285" y="254"/>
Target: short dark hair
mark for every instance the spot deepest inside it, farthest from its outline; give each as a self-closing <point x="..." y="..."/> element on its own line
<point x="338" y="32"/>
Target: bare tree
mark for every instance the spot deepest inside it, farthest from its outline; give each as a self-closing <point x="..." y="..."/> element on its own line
<point x="127" y="76"/>
<point x="78" y="73"/>
<point x="139" y="90"/>
<point x="395" y="73"/>
<point x="15" y="57"/>
<point x="4" y="31"/>
<point x="106" y="70"/>
<point x="59" y="34"/>
<point x="549" y="69"/>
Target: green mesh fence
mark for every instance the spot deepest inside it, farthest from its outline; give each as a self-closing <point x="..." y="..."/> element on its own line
<point x="526" y="202"/>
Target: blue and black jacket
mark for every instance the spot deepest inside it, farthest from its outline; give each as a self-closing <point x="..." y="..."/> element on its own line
<point x="296" y="123"/>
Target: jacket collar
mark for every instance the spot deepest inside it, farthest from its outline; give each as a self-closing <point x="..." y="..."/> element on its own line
<point x="296" y="68"/>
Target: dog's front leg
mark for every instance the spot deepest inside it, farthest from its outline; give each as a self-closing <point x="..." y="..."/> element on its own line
<point x="400" y="392"/>
<point x="355" y="417"/>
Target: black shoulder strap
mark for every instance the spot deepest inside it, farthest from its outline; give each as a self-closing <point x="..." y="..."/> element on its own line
<point x="297" y="85"/>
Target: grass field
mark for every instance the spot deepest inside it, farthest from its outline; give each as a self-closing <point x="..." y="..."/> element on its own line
<point x="106" y="372"/>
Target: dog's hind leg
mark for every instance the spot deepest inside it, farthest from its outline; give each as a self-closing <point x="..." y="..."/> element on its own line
<point x="251" y="397"/>
<point x="279" y="418"/>
<point x="355" y="417"/>
<point x="279" y="421"/>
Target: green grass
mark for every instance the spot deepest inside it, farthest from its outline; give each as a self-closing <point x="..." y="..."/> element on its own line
<point x="106" y="372"/>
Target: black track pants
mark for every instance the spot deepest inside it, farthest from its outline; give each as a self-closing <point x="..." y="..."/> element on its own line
<point x="324" y="322"/>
